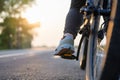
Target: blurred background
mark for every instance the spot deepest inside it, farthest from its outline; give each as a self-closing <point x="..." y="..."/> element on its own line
<point x="32" y="23"/>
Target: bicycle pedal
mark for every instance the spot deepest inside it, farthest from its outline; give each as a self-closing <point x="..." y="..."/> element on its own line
<point x="68" y="56"/>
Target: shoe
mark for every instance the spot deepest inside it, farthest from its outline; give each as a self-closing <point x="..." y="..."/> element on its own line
<point x="65" y="48"/>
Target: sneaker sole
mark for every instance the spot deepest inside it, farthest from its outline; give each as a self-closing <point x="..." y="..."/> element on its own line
<point x="66" y="54"/>
<point x="65" y="51"/>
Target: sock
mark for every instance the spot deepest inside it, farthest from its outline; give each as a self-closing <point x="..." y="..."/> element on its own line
<point x="68" y="35"/>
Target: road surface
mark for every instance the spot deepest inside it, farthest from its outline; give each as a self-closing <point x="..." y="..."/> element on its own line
<point x="37" y="64"/>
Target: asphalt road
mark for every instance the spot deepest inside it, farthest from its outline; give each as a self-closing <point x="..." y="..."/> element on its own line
<point x="37" y="64"/>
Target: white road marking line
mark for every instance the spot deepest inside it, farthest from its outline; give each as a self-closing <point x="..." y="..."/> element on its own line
<point x="11" y="55"/>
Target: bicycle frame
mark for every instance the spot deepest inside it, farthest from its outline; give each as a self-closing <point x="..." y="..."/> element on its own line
<point x="91" y="9"/>
<point x="92" y="12"/>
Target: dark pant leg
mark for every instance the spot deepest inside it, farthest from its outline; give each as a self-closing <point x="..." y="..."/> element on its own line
<point x="74" y="18"/>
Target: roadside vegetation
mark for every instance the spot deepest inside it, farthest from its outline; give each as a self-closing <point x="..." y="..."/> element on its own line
<point x="15" y="31"/>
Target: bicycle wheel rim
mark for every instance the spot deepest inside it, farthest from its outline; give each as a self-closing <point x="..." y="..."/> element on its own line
<point x="92" y="47"/>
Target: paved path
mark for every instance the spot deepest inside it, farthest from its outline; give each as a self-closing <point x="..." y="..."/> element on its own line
<point x="37" y="64"/>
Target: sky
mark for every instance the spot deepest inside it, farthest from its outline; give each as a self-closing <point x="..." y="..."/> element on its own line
<point x="51" y="14"/>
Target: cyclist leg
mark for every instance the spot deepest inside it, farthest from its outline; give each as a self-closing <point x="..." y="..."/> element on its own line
<point x="73" y="21"/>
<point x="111" y="70"/>
<point x="74" y="18"/>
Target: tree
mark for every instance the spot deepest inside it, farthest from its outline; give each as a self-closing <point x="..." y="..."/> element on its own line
<point x="14" y="7"/>
<point x="15" y="33"/>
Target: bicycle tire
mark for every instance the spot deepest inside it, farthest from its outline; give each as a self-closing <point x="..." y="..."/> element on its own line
<point x="83" y="51"/>
<point x="92" y="47"/>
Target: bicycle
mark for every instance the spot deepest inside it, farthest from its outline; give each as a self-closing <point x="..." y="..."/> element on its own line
<point x="89" y="46"/>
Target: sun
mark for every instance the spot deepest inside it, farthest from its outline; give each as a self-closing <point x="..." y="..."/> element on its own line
<point x="32" y="14"/>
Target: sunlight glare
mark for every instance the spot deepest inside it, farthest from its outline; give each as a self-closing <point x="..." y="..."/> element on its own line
<point x="32" y="15"/>
<point x="51" y="15"/>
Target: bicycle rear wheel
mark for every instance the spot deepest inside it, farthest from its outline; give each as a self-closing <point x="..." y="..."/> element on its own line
<point x="83" y="51"/>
